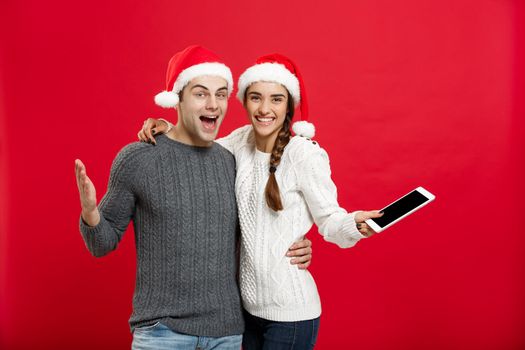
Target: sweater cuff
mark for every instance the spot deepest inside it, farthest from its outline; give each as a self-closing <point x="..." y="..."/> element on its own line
<point x="90" y="230"/>
<point x="349" y="227"/>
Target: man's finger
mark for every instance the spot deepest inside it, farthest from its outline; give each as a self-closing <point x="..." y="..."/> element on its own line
<point x="84" y="180"/>
<point x="76" y="168"/>
<point x="79" y="163"/>
<point x="301" y="259"/>
<point x="79" y="166"/>
<point x="82" y="184"/>
<point x="301" y="244"/>
<point x="81" y="181"/>
<point x="299" y="252"/>
<point x="304" y="266"/>
<point x="85" y="188"/>
<point x="77" y="173"/>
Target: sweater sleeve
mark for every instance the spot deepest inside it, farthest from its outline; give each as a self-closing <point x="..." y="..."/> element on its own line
<point x="334" y="223"/>
<point x="116" y="208"/>
<point x="236" y="139"/>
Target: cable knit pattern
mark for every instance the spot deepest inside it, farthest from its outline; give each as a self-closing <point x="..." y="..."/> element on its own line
<point x="271" y="287"/>
<point x="182" y="204"/>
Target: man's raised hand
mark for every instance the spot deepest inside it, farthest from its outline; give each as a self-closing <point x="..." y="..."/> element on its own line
<point x="88" y="195"/>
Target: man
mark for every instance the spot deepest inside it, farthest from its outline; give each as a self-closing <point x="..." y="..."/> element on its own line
<point x="180" y="195"/>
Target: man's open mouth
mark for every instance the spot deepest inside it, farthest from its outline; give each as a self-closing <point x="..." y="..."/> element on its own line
<point x="209" y="121"/>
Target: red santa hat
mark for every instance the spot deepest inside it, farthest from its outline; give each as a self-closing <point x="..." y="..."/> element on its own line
<point x="192" y="62"/>
<point x="280" y="69"/>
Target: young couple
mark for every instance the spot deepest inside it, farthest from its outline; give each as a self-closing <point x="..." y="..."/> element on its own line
<point x="187" y="194"/>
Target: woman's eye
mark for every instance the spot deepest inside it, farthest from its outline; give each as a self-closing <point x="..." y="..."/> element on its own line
<point x="254" y="98"/>
<point x="277" y="100"/>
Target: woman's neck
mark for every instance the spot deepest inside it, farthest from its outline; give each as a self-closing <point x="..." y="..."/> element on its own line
<point x="265" y="143"/>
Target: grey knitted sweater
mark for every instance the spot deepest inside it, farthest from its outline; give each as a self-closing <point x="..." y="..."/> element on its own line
<point x="181" y="200"/>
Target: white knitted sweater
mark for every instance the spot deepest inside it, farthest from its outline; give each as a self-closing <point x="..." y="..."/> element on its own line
<point x="271" y="287"/>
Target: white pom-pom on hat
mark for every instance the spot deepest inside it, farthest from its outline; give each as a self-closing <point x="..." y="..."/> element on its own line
<point x="303" y="128"/>
<point x="167" y="99"/>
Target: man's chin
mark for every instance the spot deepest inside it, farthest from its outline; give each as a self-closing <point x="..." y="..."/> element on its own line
<point x="208" y="136"/>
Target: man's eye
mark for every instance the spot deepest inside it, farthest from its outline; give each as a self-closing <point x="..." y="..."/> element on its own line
<point x="199" y="94"/>
<point x="221" y="96"/>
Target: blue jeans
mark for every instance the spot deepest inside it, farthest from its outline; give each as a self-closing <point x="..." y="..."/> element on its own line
<point x="160" y="337"/>
<point x="261" y="334"/>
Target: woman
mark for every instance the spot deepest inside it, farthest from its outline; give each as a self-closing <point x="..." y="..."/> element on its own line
<point x="283" y="186"/>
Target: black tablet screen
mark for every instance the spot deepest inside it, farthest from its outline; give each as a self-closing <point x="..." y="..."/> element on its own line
<point x="401" y="207"/>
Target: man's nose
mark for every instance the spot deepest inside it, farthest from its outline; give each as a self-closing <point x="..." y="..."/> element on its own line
<point x="212" y="103"/>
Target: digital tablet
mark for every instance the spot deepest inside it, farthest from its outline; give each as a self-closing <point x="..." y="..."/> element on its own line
<point x="401" y="208"/>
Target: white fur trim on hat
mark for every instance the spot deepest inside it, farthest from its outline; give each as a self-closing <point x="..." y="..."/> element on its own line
<point x="304" y="128"/>
<point x="169" y="99"/>
<point x="270" y="72"/>
<point x="213" y="68"/>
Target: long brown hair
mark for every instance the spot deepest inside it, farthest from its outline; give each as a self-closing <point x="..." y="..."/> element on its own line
<point x="271" y="192"/>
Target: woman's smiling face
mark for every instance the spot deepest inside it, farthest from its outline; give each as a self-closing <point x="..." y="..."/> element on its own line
<point x="267" y="105"/>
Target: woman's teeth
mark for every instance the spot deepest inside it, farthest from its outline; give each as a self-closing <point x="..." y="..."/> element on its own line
<point x="264" y="119"/>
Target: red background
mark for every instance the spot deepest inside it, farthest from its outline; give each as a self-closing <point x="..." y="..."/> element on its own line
<point x="403" y="93"/>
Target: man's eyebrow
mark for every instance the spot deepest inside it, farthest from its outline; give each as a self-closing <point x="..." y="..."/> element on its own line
<point x="199" y="86"/>
<point x="254" y="93"/>
<point x="205" y="88"/>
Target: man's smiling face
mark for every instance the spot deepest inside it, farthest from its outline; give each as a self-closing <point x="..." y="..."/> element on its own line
<point x="203" y="104"/>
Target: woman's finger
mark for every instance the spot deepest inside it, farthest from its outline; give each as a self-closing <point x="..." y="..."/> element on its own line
<point x="150" y="124"/>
